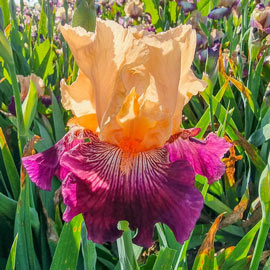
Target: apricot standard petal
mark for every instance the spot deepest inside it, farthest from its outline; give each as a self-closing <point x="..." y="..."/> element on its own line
<point x="103" y="56"/>
<point x="78" y="97"/>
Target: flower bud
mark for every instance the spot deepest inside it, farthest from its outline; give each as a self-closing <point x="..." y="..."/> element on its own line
<point x="266" y="97"/>
<point x="211" y="61"/>
<point x="264" y="193"/>
<point x="254" y="43"/>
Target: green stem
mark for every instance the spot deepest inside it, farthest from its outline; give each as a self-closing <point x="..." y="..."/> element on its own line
<point x="125" y="249"/>
<point x="244" y="23"/>
<point x="259" y="245"/>
<point x="211" y="109"/>
<point x="248" y="112"/>
<point x="18" y="106"/>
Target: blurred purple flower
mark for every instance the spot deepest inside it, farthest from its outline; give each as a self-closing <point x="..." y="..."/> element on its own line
<point x="134" y="8"/>
<point x="260" y="18"/>
<point x="11" y="106"/>
<point x="212" y="59"/>
<point x="46" y="100"/>
<point x="202" y="54"/>
<point x="228" y="3"/>
<point x="187" y="6"/>
<point x="219" y="13"/>
<point x="200" y="40"/>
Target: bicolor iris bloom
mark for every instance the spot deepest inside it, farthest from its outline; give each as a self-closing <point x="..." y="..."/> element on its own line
<point x="125" y="156"/>
<point x="260" y="18"/>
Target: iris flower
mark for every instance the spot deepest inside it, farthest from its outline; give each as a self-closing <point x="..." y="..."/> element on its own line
<point x="125" y="156"/>
<point x="260" y="18"/>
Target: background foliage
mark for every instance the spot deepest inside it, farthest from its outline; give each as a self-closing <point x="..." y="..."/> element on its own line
<point x="234" y="60"/>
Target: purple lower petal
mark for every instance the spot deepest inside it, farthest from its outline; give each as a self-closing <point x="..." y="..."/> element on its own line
<point x="107" y="186"/>
<point x="43" y="166"/>
<point x="187" y="6"/>
<point x="46" y="100"/>
<point x="204" y="156"/>
<point x="219" y="13"/>
<point x="11" y="106"/>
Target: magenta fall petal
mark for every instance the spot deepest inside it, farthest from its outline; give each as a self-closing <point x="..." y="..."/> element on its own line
<point x="43" y="166"/>
<point x="107" y="185"/>
<point x="203" y="155"/>
<point x="153" y="191"/>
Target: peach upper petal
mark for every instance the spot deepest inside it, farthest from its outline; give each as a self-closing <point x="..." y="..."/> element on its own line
<point x="103" y="56"/>
<point x="139" y="125"/>
<point x="78" y="97"/>
<point x="141" y="82"/>
<point x="189" y="85"/>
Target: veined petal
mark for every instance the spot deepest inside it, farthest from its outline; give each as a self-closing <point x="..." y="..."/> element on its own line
<point x="139" y="125"/>
<point x="41" y="167"/>
<point x="107" y="185"/>
<point x="116" y="61"/>
<point x="168" y="69"/>
<point x="203" y="155"/>
<point x="163" y="84"/>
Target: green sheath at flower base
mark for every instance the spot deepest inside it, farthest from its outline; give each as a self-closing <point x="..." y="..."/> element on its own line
<point x="85" y="15"/>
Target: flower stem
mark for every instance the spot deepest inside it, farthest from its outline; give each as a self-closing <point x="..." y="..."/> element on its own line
<point x="264" y="188"/>
<point x="248" y="113"/>
<point x="18" y="106"/>
<point x="259" y="245"/>
<point x="125" y="249"/>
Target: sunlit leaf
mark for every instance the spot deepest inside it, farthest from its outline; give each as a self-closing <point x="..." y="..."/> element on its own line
<point x="59" y="127"/>
<point x="11" y="169"/>
<point x="205" y="256"/>
<point x="260" y="136"/>
<point x="26" y="257"/>
<point x="241" y="250"/>
<point x="5" y="10"/>
<point x="152" y="7"/>
<point x="12" y="255"/>
<point x="30" y="105"/>
<point x="251" y="150"/>
<point x="205" y="6"/>
<point x="164" y="259"/>
<point x="67" y="250"/>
